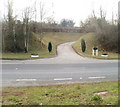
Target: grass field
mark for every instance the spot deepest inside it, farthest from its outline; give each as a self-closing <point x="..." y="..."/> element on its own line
<point x="104" y="93"/>
<point x="55" y="38"/>
<point x="90" y="43"/>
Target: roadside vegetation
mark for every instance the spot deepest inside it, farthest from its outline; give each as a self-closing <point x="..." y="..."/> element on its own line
<point x="104" y="93"/>
<point x="104" y="37"/>
<point x="106" y="32"/>
<point x="26" y="36"/>
<point x="90" y="40"/>
<point x="35" y="47"/>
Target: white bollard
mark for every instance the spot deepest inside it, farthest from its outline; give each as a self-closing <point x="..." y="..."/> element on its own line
<point x="97" y="52"/>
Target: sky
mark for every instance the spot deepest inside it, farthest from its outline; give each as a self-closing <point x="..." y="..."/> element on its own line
<point x="77" y="10"/>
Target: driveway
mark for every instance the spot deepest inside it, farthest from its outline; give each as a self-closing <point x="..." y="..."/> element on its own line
<point x="65" y="55"/>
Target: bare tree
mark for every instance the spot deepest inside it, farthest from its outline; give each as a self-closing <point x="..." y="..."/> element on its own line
<point x="25" y="25"/>
<point x="8" y="29"/>
<point x="42" y="17"/>
<point x="35" y="20"/>
<point x="102" y="13"/>
<point x="93" y="14"/>
<point x="27" y="16"/>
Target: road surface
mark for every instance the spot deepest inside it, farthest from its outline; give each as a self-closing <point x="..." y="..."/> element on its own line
<point x="66" y="67"/>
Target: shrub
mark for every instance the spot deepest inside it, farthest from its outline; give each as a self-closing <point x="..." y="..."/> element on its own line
<point x="77" y="87"/>
<point x="97" y="99"/>
<point x="83" y="45"/>
<point x="49" y="46"/>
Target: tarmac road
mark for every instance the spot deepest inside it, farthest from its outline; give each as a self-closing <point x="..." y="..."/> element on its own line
<point x="67" y="67"/>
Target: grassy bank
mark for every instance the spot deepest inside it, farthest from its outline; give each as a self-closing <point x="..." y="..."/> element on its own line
<point x="55" y="38"/>
<point x="103" y="93"/>
<point x="90" y="43"/>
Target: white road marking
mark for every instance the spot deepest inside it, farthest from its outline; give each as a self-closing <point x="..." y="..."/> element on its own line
<point x="80" y="78"/>
<point x="25" y="80"/>
<point x="60" y="79"/>
<point x="95" y="77"/>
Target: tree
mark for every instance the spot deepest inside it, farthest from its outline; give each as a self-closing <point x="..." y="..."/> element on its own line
<point x="9" y="29"/>
<point x="71" y="23"/>
<point x="35" y="10"/>
<point x="27" y="16"/>
<point x="67" y="23"/>
<point x="49" y="46"/>
<point x="20" y="42"/>
<point x="83" y="45"/>
<point x="106" y="33"/>
<point x="42" y="17"/>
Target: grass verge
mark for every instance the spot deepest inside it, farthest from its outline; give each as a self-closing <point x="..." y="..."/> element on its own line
<point x="90" y="43"/>
<point x="103" y="93"/>
<point x="55" y="38"/>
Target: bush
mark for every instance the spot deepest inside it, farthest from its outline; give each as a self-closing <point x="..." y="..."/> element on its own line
<point x="49" y="46"/>
<point x="83" y="45"/>
<point x="106" y="33"/>
<point x="108" y="38"/>
<point x="77" y="87"/>
<point x="97" y="99"/>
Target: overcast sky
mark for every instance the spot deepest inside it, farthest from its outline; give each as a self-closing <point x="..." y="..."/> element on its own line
<point x="76" y="10"/>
